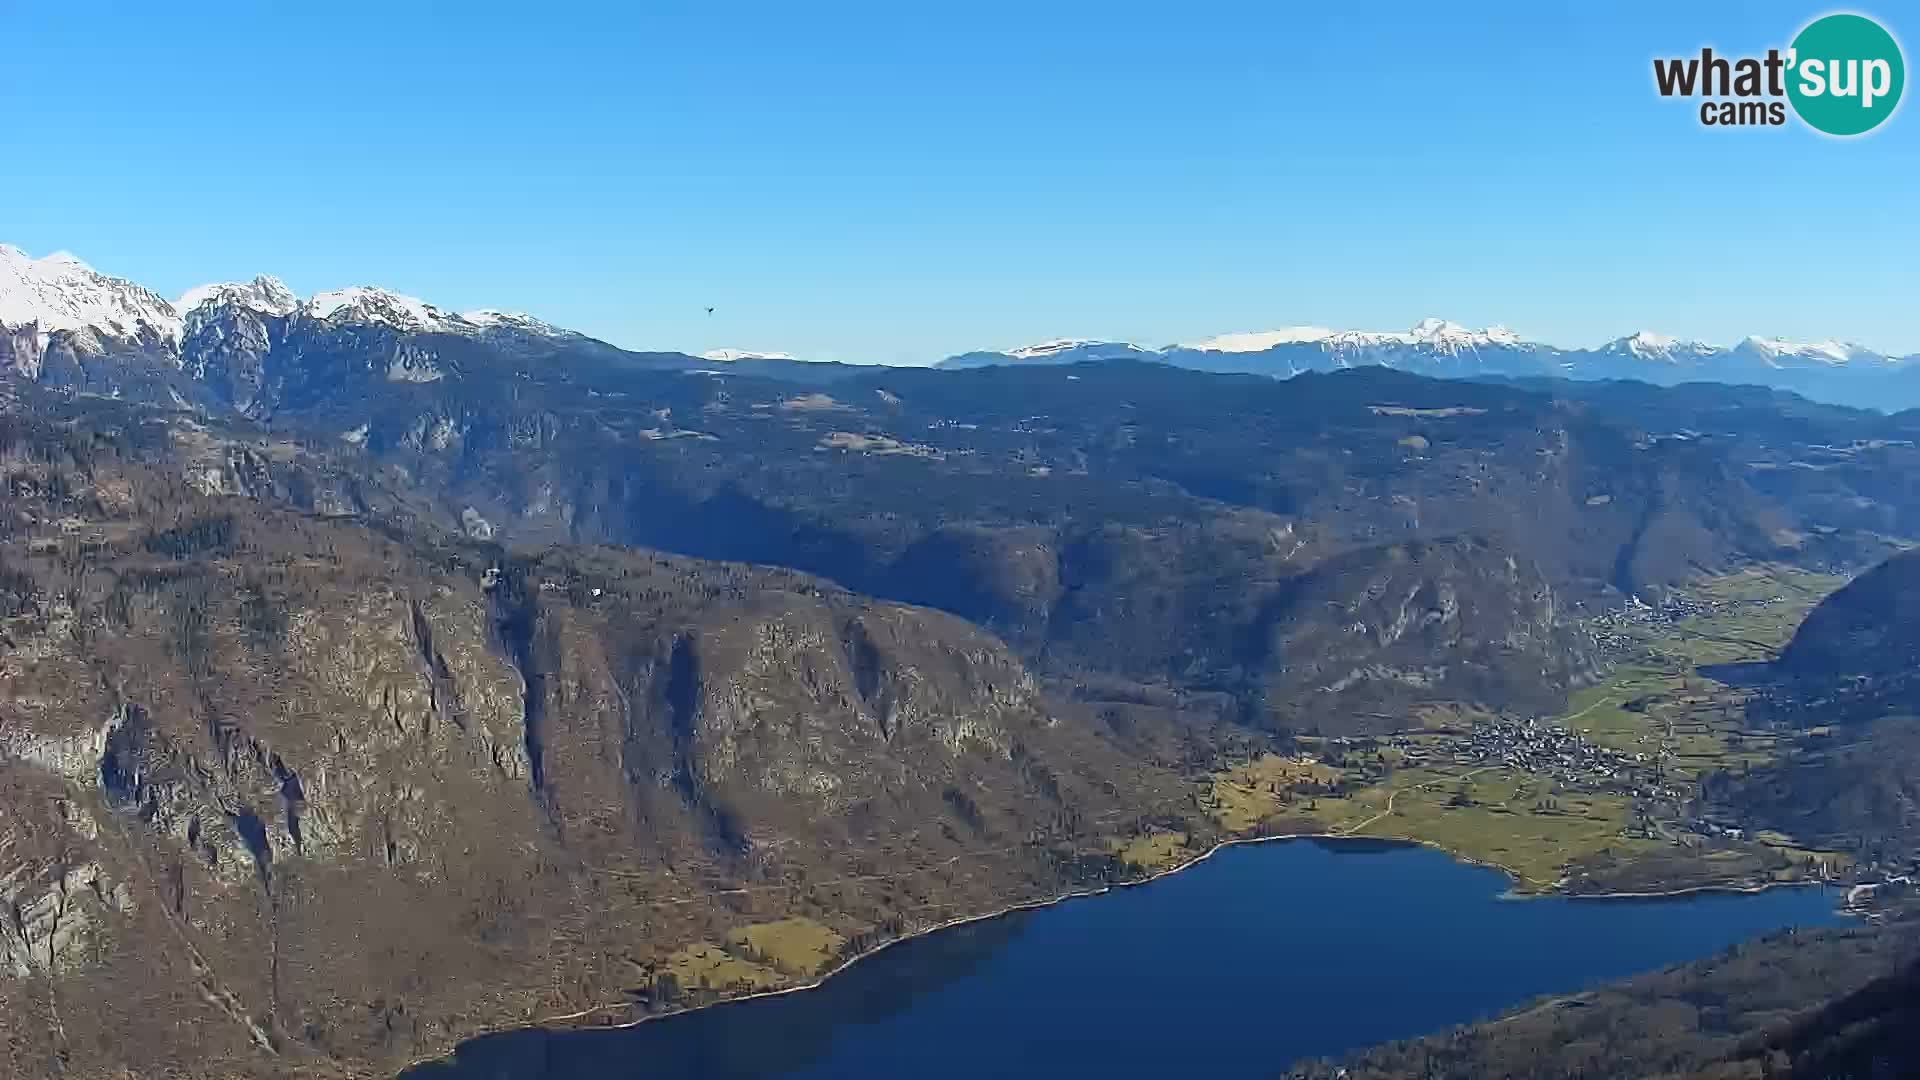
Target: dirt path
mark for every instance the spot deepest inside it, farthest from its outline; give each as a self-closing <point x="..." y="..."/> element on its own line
<point x="1395" y="794"/>
<point x="1585" y="711"/>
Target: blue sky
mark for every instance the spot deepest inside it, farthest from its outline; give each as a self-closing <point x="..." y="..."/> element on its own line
<point x="894" y="182"/>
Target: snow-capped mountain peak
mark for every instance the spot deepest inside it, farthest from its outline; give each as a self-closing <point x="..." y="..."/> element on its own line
<point x="1445" y="335"/>
<point x="1431" y="329"/>
<point x="730" y="355"/>
<point x="1261" y="340"/>
<point x="268" y="295"/>
<point x="64" y="262"/>
<point x="1778" y="351"/>
<point x="1056" y="351"/>
<point x="59" y="292"/>
<point x="361" y="304"/>
<point x="1050" y="348"/>
<point x="371" y="304"/>
<point x="1648" y="345"/>
<point x="487" y="317"/>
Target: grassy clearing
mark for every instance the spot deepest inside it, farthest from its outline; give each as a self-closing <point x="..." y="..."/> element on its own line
<point x="797" y="946"/>
<point x="1246" y="795"/>
<point x="708" y="966"/>
<point x="1154" y="851"/>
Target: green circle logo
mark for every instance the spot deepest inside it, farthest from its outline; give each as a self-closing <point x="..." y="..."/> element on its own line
<point x="1845" y="74"/>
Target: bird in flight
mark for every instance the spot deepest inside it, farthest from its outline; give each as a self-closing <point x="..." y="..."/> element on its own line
<point x="709" y="311"/>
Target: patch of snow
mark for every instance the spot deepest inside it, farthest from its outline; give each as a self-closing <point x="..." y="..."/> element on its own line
<point x="489" y="319"/>
<point x="474" y="525"/>
<point x="727" y="356"/>
<point x="414" y="365"/>
<point x="1262" y="340"/>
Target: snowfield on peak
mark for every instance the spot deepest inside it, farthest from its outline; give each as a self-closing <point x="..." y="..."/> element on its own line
<point x="1651" y="340"/>
<point x="367" y="303"/>
<point x="1442" y="332"/>
<point x="59" y="292"/>
<point x="1261" y="340"/>
<point x="487" y="318"/>
<point x="1648" y="345"/>
<point x="1835" y="353"/>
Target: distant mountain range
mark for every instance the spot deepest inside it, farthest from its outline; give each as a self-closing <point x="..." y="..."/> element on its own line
<point x="1833" y="371"/>
<point x="244" y="344"/>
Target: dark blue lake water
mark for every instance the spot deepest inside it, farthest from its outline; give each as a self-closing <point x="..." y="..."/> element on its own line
<point x="1259" y="956"/>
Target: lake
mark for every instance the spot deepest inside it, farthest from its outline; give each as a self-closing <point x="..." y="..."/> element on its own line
<point x="1259" y="956"/>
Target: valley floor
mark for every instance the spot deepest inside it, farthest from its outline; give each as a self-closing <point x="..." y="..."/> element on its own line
<point x="1604" y="798"/>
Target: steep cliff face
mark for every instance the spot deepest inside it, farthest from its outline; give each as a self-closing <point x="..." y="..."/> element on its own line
<point x="1382" y="634"/>
<point x="22" y="350"/>
<point x="287" y="795"/>
<point x="265" y="741"/>
<point x="226" y="346"/>
<point x="59" y="899"/>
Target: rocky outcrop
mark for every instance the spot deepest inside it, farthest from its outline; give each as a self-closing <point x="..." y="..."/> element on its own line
<point x="58" y="903"/>
<point x="227" y="346"/>
<point x="22" y="350"/>
<point x="1382" y="634"/>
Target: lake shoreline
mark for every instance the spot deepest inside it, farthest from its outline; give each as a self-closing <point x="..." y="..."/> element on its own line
<point x="571" y="1021"/>
<point x="1690" y="890"/>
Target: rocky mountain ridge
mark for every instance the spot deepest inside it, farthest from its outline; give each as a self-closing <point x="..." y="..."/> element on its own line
<point x="59" y="307"/>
